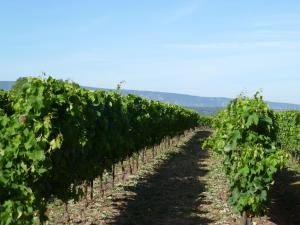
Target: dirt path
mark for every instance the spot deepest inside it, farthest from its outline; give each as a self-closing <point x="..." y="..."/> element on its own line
<point x="285" y="198"/>
<point x="186" y="186"/>
<point x="171" y="195"/>
<point x="190" y="188"/>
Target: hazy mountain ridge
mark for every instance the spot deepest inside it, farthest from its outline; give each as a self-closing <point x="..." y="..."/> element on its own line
<point x="206" y="105"/>
<point x="6" y="85"/>
<point x="197" y="101"/>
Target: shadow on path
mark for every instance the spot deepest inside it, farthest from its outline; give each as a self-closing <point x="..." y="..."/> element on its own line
<point x="285" y="199"/>
<point x="172" y="194"/>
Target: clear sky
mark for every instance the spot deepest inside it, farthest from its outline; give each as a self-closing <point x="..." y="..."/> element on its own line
<point x="198" y="47"/>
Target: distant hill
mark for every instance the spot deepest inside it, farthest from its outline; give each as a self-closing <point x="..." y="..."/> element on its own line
<point x="205" y="105"/>
<point x="6" y="85"/>
<point x="207" y="110"/>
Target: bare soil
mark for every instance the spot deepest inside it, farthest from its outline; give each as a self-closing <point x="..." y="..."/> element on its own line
<point x="181" y="185"/>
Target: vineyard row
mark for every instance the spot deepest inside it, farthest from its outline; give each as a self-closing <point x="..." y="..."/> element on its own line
<point x="55" y="136"/>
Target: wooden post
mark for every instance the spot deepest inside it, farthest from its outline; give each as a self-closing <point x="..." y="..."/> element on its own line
<point x="137" y="161"/>
<point x="67" y="212"/>
<point x="86" y="194"/>
<point x="92" y="189"/>
<point x="123" y="170"/>
<point x="245" y="219"/>
<point x="113" y="175"/>
<point x="153" y="152"/>
<point x="143" y="155"/>
<point x="130" y="167"/>
<point x="101" y="184"/>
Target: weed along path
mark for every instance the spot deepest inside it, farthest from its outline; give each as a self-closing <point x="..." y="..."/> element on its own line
<point x="183" y="185"/>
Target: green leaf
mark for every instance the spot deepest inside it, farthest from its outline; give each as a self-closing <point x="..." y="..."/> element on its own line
<point x="252" y="119"/>
<point x="264" y="195"/>
<point x="36" y="155"/>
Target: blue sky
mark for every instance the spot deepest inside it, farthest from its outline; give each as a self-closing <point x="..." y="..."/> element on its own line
<point x="198" y="47"/>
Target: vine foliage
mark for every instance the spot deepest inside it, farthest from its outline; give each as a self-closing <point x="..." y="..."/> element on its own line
<point x="245" y="136"/>
<point x="55" y="136"/>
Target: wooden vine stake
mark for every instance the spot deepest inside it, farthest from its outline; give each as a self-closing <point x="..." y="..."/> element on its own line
<point x="67" y="214"/>
<point x="130" y="167"/>
<point x="92" y="189"/>
<point x="153" y="152"/>
<point x="113" y="175"/>
<point x="123" y="170"/>
<point x="245" y="219"/>
<point x="86" y="194"/>
<point x="143" y="155"/>
<point x="101" y="184"/>
<point x="82" y="216"/>
<point x="41" y="214"/>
